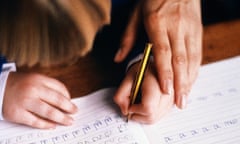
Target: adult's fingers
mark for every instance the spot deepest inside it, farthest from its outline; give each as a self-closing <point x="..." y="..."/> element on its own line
<point x="129" y="36"/>
<point x="156" y="28"/>
<point x="194" y="52"/>
<point x="180" y="66"/>
<point x="163" y="62"/>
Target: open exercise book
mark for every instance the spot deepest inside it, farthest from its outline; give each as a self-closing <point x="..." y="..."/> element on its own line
<point x="212" y="116"/>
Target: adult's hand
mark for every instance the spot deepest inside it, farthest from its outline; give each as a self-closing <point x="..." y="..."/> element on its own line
<point x="175" y="29"/>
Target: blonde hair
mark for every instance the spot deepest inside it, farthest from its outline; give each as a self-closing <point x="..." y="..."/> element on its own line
<point x="50" y="32"/>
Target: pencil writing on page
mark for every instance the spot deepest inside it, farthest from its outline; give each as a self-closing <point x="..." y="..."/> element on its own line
<point x="139" y="76"/>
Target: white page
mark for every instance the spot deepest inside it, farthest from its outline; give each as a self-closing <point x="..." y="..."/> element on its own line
<point x="212" y="116"/>
<point x="213" y="111"/>
<point x="97" y="122"/>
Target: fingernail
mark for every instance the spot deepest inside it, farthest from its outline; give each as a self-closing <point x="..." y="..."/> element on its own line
<point x="75" y="108"/>
<point x="183" y="101"/>
<point x="52" y="127"/>
<point x="130" y="112"/>
<point x="117" y="56"/>
<point x="168" y="86"/>
<point x="70" y="121"/>
<point x="125" y="112"/>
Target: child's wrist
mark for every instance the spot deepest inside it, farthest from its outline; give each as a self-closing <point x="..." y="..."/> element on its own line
<point x="6" y="69"/>
<point x="137" y="59"/>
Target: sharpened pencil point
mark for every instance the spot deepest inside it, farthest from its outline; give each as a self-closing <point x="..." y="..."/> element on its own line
<point x="128" y="117"/>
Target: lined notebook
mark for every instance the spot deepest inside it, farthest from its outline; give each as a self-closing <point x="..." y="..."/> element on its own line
<point x="212" y="116"/>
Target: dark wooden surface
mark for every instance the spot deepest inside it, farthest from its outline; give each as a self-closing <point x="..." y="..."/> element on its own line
<point x="220" y="41"/>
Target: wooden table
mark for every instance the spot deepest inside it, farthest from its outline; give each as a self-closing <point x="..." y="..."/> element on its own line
<point x="220" y="41"/>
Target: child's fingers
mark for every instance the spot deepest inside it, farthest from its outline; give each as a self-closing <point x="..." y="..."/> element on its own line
<point x="147" y="110"/>
<point x="154" y="104"/>
<point x="122" y="96"/>
<point x="55" y="85"/>
<point x="142" y="115"/>
<point x="46" y="100"/>
<point x="56" y="99"/>
<point x="32" y="120"/>
<point x="49" y="112"/>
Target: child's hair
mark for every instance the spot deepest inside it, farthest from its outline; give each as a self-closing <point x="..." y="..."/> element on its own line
<point x="49" y="32"/>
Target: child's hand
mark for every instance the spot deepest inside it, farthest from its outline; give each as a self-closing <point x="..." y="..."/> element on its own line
<point x="154" y="104"/>
<point x="37" y="101"/>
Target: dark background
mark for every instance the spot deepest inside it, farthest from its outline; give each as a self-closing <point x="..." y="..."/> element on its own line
<point x="214" y="11"/>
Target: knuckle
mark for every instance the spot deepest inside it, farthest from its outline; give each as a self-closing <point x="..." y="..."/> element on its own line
<point x="54" y="115"/>
<point x="178" y="12"/>
<point x="179" y="59"/>
<point x="195" y="57"/>
<point x="167" y="74"/>
<point x="36" y="123"/>
<point x="150" y="111"/>
<point x="154" y="18"/>
<point x="59" y="99"/>
<point x="47" y="111"/>
<point x="118" y="100"/>
<point x="50" y="113"/>
<point x="151" y="119"/>
<point x="10" y="114"/>
<point x="29" y="90"/>
<point x="163" y="48"/>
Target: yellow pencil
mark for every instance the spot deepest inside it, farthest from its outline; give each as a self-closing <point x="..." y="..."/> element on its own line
<point x="139" y="76"/>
